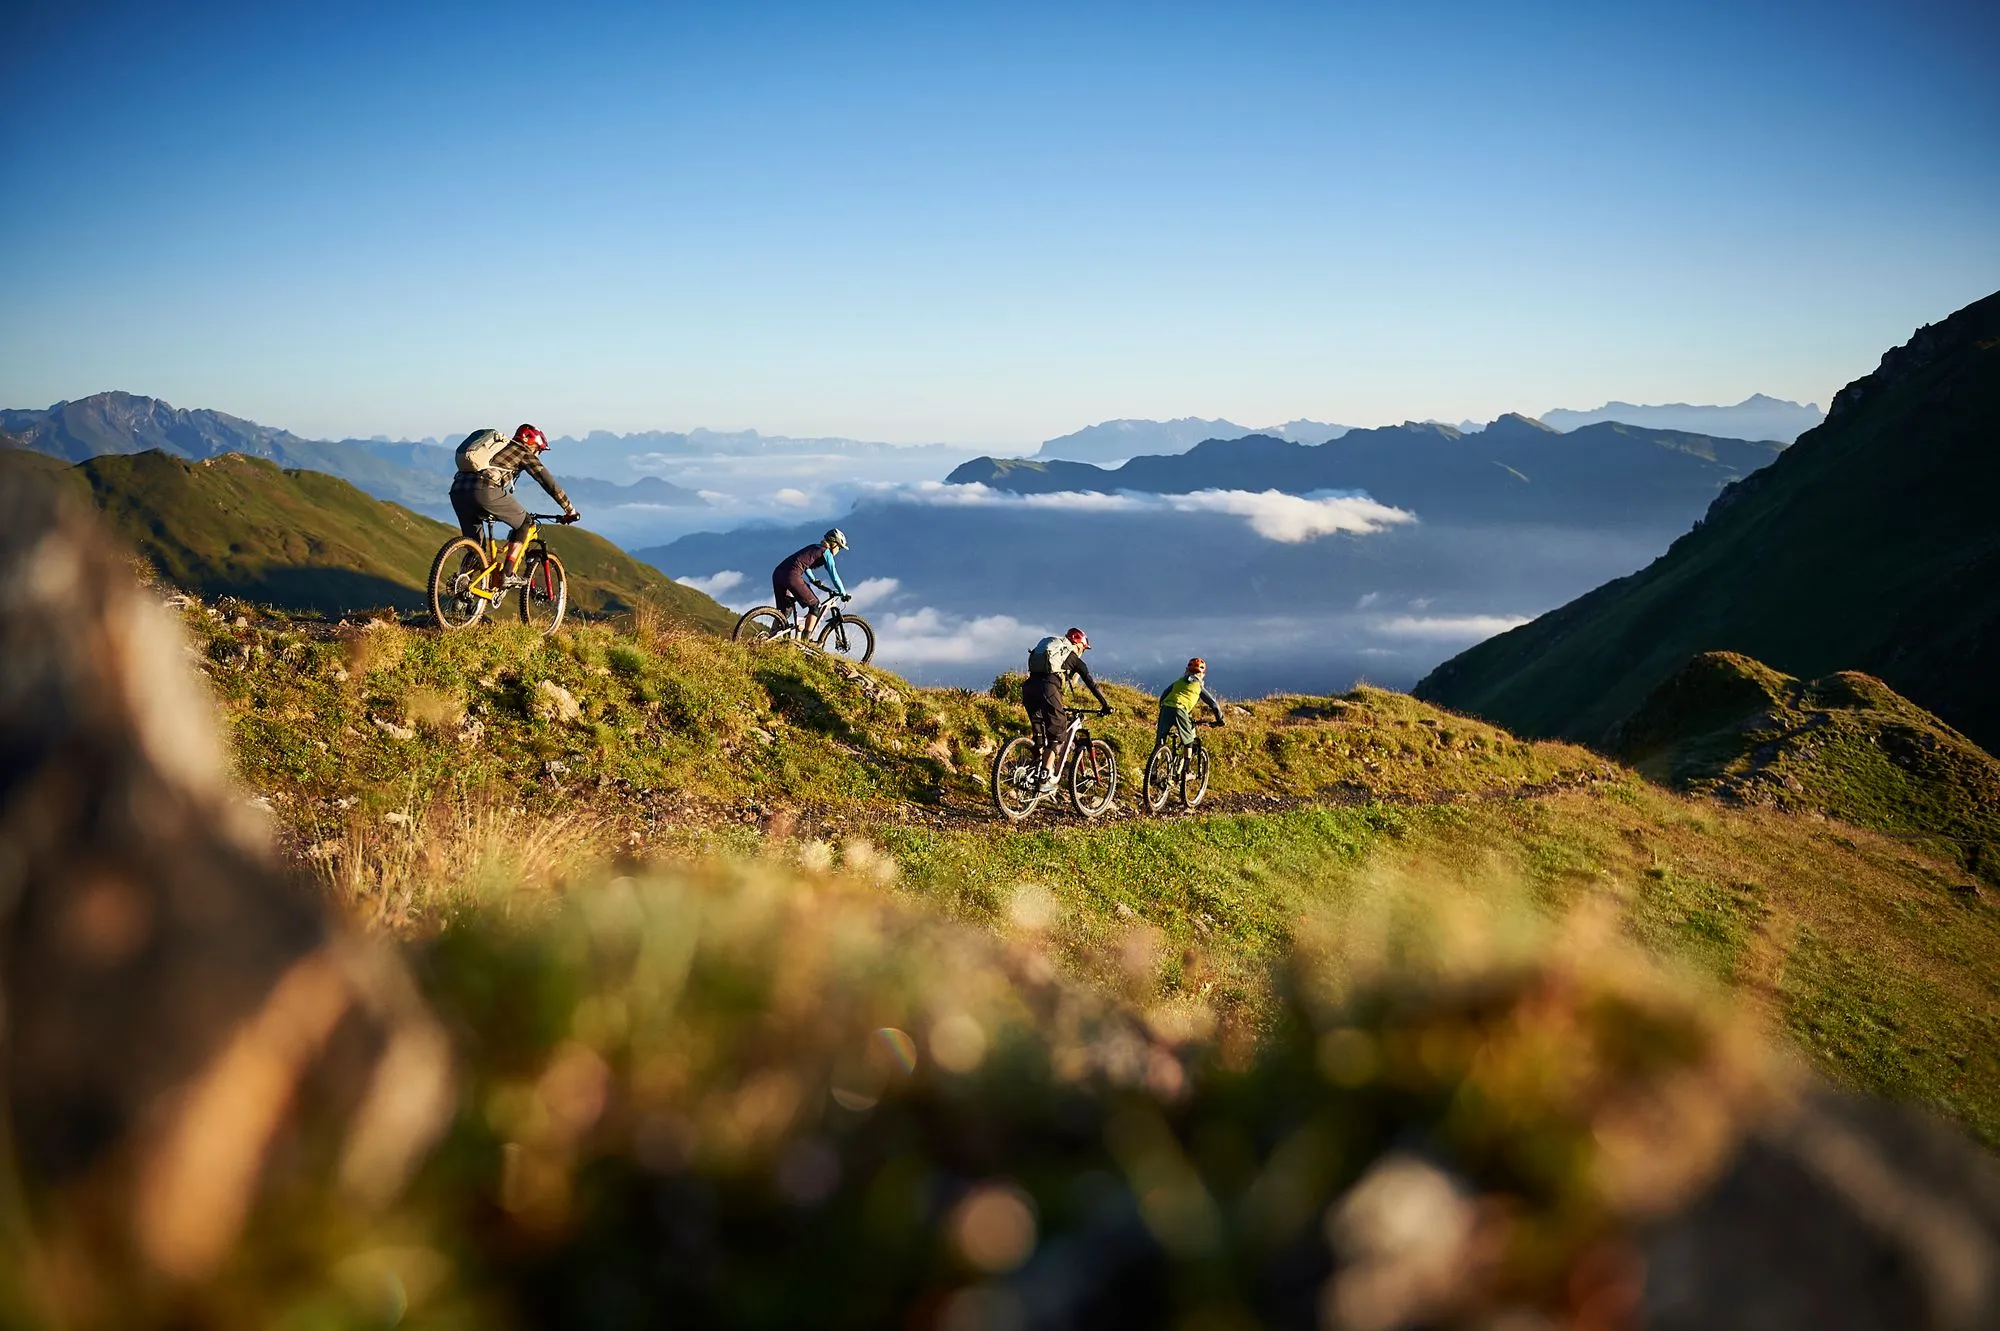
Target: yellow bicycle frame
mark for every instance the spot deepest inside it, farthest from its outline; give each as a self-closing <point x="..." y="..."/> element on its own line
<point x="494" y="551"/>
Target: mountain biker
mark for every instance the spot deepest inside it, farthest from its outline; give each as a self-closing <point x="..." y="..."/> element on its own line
<point x="1050" y="663"/>
<point x="1180" y="698"/>
<point x="789" y="578"/>
<point x="488" y="465"/>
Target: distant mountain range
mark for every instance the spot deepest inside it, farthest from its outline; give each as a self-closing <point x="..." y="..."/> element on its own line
<point x="1114" y="441"/>
<point x="1755" y="417"/>
<point x="1515" y="470"/>
<point x="415" y="475"/>
<point x="1869" y="545"/>
<point x="238" y="525"/>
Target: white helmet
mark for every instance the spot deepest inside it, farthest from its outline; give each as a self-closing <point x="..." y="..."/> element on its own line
<point x="835" y="538"/>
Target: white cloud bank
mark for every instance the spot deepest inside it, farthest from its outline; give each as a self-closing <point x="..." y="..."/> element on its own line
<point x="715" y="584"/>
<point x="1447" y="628"/>
<point x="1272" y="514"/>
<point x="931" y="637"/>
<point x="874" y="591"/>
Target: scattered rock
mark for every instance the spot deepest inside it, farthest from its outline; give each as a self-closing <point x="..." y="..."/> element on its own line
<point x="1125" y="912"/>
<point x="553" y="702"/>
<point x="391" y="729"/>
<point x="396" y="819"/>
<point x="324" y="851"/>
<point x="553" y="769"/>
<point x="471" y="730"/>
<point x="762" y="736"/>
<point x="889" y="696"/>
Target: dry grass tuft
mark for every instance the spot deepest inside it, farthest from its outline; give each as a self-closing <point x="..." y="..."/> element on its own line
<point x="379" y="645"/>
<point x="410" y="872"/>
<point x="435" y="711"/>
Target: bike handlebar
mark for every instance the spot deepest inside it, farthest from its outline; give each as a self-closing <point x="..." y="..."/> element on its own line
<point x="555" y="517"/>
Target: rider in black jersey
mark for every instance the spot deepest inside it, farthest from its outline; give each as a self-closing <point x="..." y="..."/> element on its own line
<point x="1050" y="664"/>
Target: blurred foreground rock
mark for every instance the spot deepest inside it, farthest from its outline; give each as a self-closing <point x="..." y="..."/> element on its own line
<point x="176" y="1008"/>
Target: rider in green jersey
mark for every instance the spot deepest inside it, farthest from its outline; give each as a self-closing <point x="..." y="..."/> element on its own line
<point x="1178" y="701"/>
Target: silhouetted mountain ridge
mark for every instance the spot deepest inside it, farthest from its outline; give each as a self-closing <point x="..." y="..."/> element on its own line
<point x="1869" y="545"/>
<point x="1517" y="469"/>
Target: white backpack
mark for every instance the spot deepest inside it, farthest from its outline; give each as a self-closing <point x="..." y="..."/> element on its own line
<point x="1050" y="655"/>
<point x="479" y="449"/>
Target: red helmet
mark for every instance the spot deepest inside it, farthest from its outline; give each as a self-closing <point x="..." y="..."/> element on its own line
<point x="1079" y="637"/>
<point x="532" y="437"/>
<point x="1197" y="666"/>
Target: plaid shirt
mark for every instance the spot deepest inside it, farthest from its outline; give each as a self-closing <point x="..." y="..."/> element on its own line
<point x="508" y="464"/>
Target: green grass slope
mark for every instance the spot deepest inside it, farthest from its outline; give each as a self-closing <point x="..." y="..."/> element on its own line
<point x="417" y="771"/>
<point x="241" y="526"/>
<point x="1869" y="545"/>
<point x="1847" y="745"/>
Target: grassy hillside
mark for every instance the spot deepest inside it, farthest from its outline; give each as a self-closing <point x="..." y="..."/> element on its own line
<point x="419" y="772"/>
<point x="1868" y="545"/>
<point x="240" y="526"/>
<point x="1847" y="745"/>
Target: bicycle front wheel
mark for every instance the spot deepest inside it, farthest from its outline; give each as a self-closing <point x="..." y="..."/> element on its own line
<point x="849" y="636"/>
<point x="1093" y="778"/>
<point x="760" y="625"/>
<point x="453" y="573"/>
<point x="1159" y="778"/>
<point x="1016" y="779"/>
<point x="545" y="599"/>
<point x="1194" y="784"/>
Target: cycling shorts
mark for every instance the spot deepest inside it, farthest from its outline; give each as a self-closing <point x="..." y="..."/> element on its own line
<point x="1174" y="721"/>
<point x="789" y="587"/>
<point x="1043" y="697"/>
<point x="473" y="498"/>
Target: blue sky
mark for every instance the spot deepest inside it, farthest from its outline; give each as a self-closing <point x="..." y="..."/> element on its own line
<point x="981" y="224"/>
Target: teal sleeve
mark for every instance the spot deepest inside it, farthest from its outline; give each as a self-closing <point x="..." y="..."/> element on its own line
<point x="834" y="573"/>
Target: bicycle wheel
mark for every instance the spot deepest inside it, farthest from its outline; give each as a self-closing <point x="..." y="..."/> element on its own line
<point x="1093" y="778"/>
<point x="849" y="636"/>
<point x="1159" y="778"/>
<point x="760" y="625"/>
<point x="1016" y="778"/>
<point x="1194" y="783"/>
<point x="546" y="597"/>
<point x="453" y="572"/>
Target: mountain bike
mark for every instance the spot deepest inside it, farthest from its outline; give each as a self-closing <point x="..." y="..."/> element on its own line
<point x="841" y="633"/>
<point x="468" y="578"/>
<point x="1093" y="773"/>
<point x="1177" y="764"/>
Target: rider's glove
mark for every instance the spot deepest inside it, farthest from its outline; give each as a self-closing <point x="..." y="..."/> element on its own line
<point x="847" y="596"/>
<point x="571" y="515"/>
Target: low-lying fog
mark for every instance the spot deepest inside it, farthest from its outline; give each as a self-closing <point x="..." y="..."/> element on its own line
<point x="1306" y="593"/>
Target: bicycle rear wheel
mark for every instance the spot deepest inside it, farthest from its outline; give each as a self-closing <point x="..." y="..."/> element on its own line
<point x="1016" y="779"/>
<point x="849" y="636"/>
<point x="545" y="599"/>
<point x="1194" y="784"/>
<point x="1159" y="786"/>
<point x="457" y="566"/>
<point x="1093" y="778"/>
<point x="760" y="625"/>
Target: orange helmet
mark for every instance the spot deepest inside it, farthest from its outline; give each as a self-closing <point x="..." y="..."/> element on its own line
<point x="1197" y="666"/>
<point x="1079" y="637"/>
<point x="532" y="437"/>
